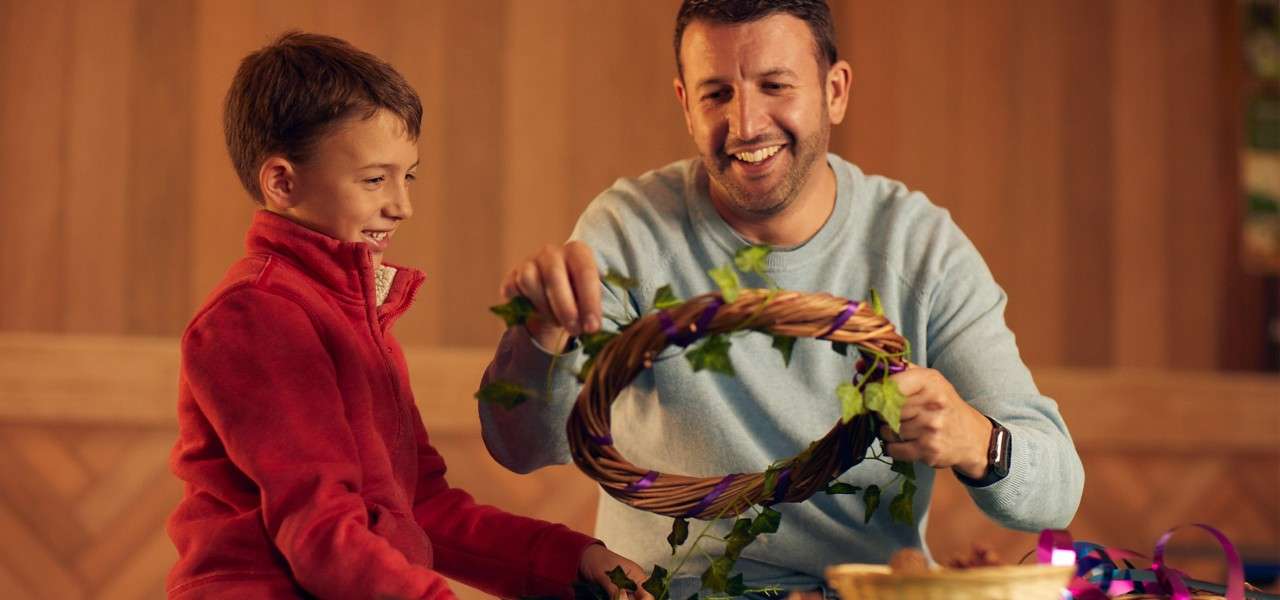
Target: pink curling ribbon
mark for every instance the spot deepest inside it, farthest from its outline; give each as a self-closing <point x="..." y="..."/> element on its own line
<point x="1096" y="567"/>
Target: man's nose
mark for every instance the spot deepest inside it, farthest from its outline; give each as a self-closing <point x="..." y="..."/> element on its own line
<point x="747" y="118"/>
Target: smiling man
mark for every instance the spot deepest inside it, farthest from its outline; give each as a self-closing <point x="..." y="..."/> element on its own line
<point x="761" y="84"/>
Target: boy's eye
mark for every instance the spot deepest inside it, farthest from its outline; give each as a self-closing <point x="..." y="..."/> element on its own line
<point x="375" y="180"/>
<point x="411" y="176"/>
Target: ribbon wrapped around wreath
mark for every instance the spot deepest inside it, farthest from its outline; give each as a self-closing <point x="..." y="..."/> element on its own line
<point x="1103" y="573"/>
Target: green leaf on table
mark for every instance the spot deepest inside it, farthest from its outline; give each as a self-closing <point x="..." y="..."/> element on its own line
<point x="592" y="343"/>
<point x="679" y="534"/>
<point x="766" y="522"/>
<point x="620" y="280"/>
<point x="851" y="404"/>
<point x="784" y="344"/>
<point x="656" y="584"/>
<point x="716" y="577"/>
<point x="870" y="501"/>
<point x="739" y="538"/>
<point x="515" y="312"/>
<point x="664" y="298"/>
<point x="751" y="259"/>
<point x="841" y="348"/>
<point x="875" y="302"/>
<point x="505" y="394"/>
<point x="712" y="354"/>
<point x="904" y="467"/>
<point x="901" y="508"/>
<point x="620" y="579"/>
<point x="727" y="279"/>
<point x="840" y="487"/>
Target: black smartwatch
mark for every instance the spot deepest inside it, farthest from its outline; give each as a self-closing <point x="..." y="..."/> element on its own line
<point x="998" y="450"/>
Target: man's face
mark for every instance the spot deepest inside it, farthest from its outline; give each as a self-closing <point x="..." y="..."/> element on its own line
<point x="756" y="106"/>
<point x="355" y="186"/>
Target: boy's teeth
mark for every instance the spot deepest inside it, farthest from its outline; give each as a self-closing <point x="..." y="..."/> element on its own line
<point x="756" y="156"/>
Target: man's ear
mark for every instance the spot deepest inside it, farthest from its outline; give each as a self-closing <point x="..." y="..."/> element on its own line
<point x="839" y="80"/>
<point x="684" y="104"/>
<point x="277" y="180"/>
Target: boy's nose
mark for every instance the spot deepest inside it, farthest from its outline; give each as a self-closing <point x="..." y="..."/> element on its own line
<point x="400" y="208"/>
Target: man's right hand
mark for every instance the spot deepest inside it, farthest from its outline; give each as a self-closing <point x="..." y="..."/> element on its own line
<point x="564" y="286"/>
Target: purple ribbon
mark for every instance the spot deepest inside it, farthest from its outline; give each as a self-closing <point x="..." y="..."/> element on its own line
<point x="781" y="487"/>
<point x="1056" y="547"/>
<point x="602" y="440"/>
<point x="711" y="497"/>
<point x="687" y="337"/>
<point x="642" y="483"/>
<point x="850" y="307"/>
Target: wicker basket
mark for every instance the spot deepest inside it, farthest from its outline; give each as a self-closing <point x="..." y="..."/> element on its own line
<point x="878" y="582"/>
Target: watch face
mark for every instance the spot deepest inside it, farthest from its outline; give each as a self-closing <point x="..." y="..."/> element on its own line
<point x="998" y="454"/>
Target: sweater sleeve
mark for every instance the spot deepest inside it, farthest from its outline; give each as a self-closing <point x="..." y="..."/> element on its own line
<point x="971" y="345"/>
<point x="260" y="372"/>
<point x="489" y="549"/>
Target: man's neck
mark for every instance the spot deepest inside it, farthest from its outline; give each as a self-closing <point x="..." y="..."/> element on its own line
<point x="795" y="224"/>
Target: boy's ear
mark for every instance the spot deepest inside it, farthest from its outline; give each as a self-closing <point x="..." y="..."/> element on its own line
<point x="278" y="180"/>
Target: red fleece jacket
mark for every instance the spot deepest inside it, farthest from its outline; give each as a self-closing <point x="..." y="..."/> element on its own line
<point x="307" y="466"/>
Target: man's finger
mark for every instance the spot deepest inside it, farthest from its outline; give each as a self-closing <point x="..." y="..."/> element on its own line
<point x="529" y="284"/>
<point x="559" y="293"/>
<point x="585" y="278"/>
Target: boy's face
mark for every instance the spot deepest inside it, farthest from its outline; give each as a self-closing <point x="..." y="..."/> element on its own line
<point x="355" y="187"/>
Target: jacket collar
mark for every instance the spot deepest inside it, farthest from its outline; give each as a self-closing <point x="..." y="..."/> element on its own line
<point x="345" y="268"/>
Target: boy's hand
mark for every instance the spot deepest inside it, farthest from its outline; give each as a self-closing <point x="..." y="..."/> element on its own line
<point x="564" y="285"/>
<point x="596" y="563"/>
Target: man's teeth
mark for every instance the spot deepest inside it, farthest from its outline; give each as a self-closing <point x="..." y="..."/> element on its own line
<point x="376" y="235"/>
<point x="756" y="156"/>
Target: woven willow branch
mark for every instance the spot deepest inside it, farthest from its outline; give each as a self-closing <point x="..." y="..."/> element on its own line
<point x="793" y="314"/>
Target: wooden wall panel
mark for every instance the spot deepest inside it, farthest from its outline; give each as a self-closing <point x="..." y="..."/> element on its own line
<point x="1086" y="149"/>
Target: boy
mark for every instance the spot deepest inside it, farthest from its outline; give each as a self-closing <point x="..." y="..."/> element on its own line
<point x="307" y="466"/>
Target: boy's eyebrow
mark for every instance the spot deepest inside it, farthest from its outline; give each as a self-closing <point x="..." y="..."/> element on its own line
<point x="390" y="165"/>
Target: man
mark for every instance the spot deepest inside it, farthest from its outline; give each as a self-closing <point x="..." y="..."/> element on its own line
<point x="760" y="84"/>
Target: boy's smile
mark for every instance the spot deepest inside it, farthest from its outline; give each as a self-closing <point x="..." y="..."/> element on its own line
<point x="353" y="186"/>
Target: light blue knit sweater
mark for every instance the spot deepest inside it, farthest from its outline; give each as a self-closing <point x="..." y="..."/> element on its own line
<point x="661" y="229"/>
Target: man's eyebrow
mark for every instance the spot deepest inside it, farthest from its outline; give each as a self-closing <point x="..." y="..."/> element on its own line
<point x="775" y="72"/>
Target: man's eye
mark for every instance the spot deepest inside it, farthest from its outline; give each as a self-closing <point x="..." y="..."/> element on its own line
<point x="717" y="95"/>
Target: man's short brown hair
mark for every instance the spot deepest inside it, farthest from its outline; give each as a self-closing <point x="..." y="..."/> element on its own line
<point x="290" y="93"/>
<point x="815" y="13"/>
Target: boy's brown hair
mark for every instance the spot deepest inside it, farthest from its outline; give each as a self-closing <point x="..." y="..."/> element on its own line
<point x="290" y="93"/>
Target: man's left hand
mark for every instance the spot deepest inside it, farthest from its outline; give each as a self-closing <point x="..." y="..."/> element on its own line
<point x="938" y="427"/>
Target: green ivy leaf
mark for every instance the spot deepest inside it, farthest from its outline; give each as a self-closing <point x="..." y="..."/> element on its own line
<point x="712" y="354"/>
<point x="875" y="302"/>
<point x="735" y="587"/>
<point x="784" y="344"/>
<point x="620" y="280"/>
<point x="770" y="481"/>
<point x="739" y="538"/>
<point x="620" y="579"/>
<point x="751" y="259"/>
<point x="841" y="348"/>
<point x="766" y="522"/>
<point x="505" y="394"/>
<point x="716" y="577"/>
<point x="656" y="584"/>
<point x="665" y="298"/>
<point x="902" y="507"/>
<point x="871" y="501"/>
<point x="515" y="312"/>
<point x="679" y="534"/>
<point x="904" y="467"/>
<point x="727" y="279"/>
<point x="886" y="400"/>
<point x="593" y="343"/>
<point x="851" y="404"/>
<point x="840" y="487"/>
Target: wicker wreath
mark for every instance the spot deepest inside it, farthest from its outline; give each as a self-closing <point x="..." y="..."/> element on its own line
<point x="794" y="314"/>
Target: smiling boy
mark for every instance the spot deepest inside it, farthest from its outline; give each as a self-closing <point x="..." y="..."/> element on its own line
<point x="307" y="466"/>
